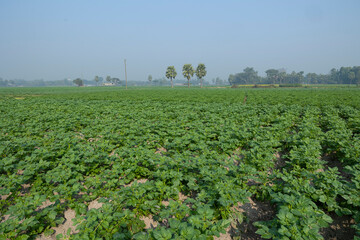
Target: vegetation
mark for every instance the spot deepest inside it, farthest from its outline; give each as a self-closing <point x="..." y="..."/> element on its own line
<point x="189" y="161"/>
<point x="171" y="74"/>
<point x="188" y="72"/>
<point x="200" y="72"/>
<point x="97" y="79"/>
<point x="344" y="75"/>
<point x="291" y="85"/>
<point x="79" y="82"/>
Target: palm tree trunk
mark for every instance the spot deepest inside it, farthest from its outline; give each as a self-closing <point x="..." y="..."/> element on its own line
<point x="188" y="82"/>
<point x="200" y="82"/>
<point x="172" y="83"/>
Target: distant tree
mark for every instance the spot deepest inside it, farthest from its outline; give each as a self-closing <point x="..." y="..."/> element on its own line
<point x="249" y="75"/>
<point x="3" y="83"/>
<point x="351" y="76"/>
<point x="231" y="79"/>
<point x="311" y="78"/>
<point x="188" y="72"/>
<point x="96" y="79"/>
<point x="171" y="74"/>
<point x="219" y="81"/>
<point x="150" y="78"/>
<point x="115" y="81"/>
<point x="301" y="76"/>
<point x="294" y="77"/>
<point x="357" y="75"/>
<point x="282" y="75"/>
<point x="272" y="75"/>
<point x="333" y="76"/>
<point x="344" y="75"/>
<point x="79" y="82"/>
<point x="200" y="73"/>
<point x="108" y="79"/>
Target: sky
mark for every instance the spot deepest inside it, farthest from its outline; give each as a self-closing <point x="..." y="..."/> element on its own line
<point x="53" y="40"/>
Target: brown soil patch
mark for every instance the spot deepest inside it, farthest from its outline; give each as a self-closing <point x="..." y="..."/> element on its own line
<point x="279" y="161"/>
<point x="112" y="153"/>
<point x="332" y="161"/>
<point x="149" y="222"/>
<point x="138" y="181"/>
<point x="182" y="198"/>
<point x="255" y="211"/>
<point x="236" y="153"/>
<point x="93" y="139"/>
<point x="95" y="204"/>
<point x="165" y="203"/>
<point x="25" y="188"/>
<point x="4" y="218"/>
<point x="62" y="228"/>
<point x="340" y="228"/>
<point x="224" y="236"/>
<point x="4" y="197"/>
<point x="44" y="205"/>
<point x="80" y="135"/>
<point x="252" y="182"/>
<point x="161" y="151"/>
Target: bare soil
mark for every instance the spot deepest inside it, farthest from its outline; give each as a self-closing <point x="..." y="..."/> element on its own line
<point x="339" y="229"/>
<point x="62" y="228"/>
<point x="332" y="161"/>
<point x="254" y="211"/>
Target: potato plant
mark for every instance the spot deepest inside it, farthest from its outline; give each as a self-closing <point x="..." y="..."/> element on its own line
<point x="185" y="160"/>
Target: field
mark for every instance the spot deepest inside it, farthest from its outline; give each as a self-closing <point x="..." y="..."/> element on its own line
<point x="161" y="163"/>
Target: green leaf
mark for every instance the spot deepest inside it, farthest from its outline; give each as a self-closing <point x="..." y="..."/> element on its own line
<point x="162" y="234"/>
<point x="59" y="236"/>
<point x="52" y="215"/>
<point x="49" y="232"/>
<point x="322" y="198"/>
<point x="59" y="220"/>
<point x="174" y="223"/>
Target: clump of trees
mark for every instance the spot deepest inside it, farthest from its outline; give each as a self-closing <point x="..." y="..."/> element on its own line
<point x="344" y="75"/>
<point x="6" y="83"/>
<point x="249" y="75"/>
<point x="114" y="81"/>
<point x="79" y="82"/>
<point x="188" y="72"/>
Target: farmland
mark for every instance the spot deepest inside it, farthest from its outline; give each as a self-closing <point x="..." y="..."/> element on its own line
<point x="160" y="163"/>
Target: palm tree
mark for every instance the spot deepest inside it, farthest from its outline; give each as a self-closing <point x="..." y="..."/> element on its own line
<point x="201" y="72"/>
<point x="170" y="74"/>
<point x="96" y="79"/>
<point x="188" y="72"/>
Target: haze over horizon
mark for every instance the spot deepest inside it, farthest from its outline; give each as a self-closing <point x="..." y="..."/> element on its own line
<point x="53" y="40"/>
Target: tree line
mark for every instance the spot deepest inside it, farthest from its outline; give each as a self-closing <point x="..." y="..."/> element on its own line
<point x="188" y="72"/>
<point x="344" y="75"/>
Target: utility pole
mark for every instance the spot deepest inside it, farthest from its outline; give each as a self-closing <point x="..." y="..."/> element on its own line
<point x="125" y="74"/>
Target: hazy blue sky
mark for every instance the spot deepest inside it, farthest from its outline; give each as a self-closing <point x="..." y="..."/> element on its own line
<point x="53" y="40"/>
